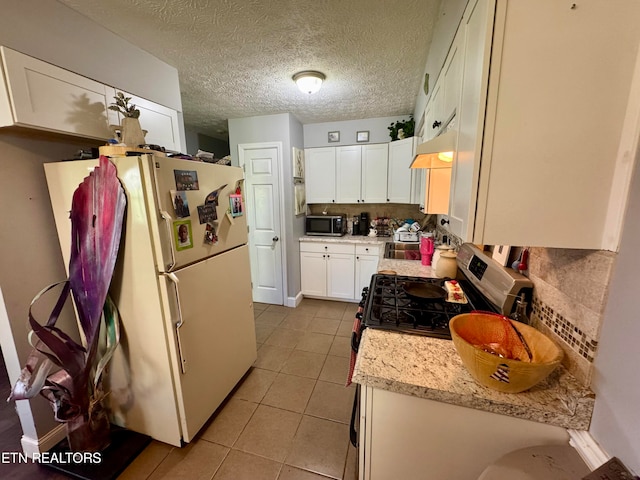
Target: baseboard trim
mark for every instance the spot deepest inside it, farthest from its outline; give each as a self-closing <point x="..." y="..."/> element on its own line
<point x="293" y="302"/>
<point x="590" y="451"/>
<point x="44" y="443"/>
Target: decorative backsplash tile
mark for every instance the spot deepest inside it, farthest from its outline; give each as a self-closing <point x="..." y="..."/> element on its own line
<point x="572" y="335"/>
<point x="569" y="296"/>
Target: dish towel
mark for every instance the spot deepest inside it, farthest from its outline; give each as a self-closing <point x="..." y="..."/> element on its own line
<point x="355" y="342"/>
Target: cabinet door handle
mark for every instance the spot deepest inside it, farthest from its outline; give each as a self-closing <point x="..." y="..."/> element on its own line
<point x="324" y="256"/>
<point x="275" y="239"/>
<point x="357" y="258"/>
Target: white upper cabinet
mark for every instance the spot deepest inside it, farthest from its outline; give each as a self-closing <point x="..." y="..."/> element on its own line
<point x="474" y="40"/>
<point x="452" y="80"/>
<point x="161" y="123"/>
<point x="400" y="177"/>
<point x="349" y="174"/>
<point x="540" y="159"/>
<point x="436" y="117"/>
<point x="39" y="95"/>
<point x="36" y="94"/>
<point x="320" y="175"/>
<point x="375" y="159"/>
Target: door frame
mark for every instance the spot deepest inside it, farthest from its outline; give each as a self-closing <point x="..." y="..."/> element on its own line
<point x="284" y="240"/>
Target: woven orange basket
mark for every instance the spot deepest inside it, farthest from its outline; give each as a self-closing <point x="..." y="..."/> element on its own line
<point x="503" y="354"/>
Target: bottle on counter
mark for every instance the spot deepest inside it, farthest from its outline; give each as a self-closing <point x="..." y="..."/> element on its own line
<point x="520" y="314"/>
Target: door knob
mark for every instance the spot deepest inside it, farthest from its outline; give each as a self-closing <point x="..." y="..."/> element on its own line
<point x="275" y="239"/>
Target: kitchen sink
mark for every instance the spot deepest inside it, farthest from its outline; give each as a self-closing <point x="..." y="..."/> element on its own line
<point x="402" y="251"/>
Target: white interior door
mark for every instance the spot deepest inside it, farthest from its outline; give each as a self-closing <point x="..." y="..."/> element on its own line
<point x="262" y="188"/>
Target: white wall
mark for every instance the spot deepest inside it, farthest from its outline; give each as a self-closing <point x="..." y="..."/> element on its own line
<point x="317" y="134"/>
<point x="54" y="33"/>
<point x="286" y="129"/>
<point x="616" y="419"/>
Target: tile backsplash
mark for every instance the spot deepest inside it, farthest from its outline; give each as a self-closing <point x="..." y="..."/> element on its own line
<point x="400" y="211"/>
<point x="570" y="294"/>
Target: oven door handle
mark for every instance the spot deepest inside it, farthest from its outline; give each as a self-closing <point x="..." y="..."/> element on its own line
<point x="353" y="433"/>
<point x="356" y="335"/>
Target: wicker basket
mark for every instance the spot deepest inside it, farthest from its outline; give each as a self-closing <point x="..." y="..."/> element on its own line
<point x="475" y="334"/>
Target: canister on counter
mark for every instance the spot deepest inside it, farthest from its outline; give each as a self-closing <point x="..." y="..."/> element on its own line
<point x="447" y="265"/>
<point x="437" y="251"/>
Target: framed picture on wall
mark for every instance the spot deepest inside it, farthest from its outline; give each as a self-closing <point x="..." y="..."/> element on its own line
<point x="334" y="137"/>
<point x="298" y="163"/>
<point x="362" y="136"/>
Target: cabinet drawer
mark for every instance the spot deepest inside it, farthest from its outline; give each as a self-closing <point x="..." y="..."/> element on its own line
<point x="327" y="247"/>
<point x="368" y="250"/>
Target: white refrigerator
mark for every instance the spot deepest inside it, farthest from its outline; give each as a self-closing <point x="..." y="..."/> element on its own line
<point x="183" y="293"/>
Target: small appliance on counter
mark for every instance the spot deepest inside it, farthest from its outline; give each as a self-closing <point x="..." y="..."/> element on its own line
<point x="326" y="225"/>
<point x="364" y="223"/>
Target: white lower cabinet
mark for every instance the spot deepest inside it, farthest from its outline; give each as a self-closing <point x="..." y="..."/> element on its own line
<point x="340" y="276"/>
<point x="367" y="258"/>
<point x="412" y="438"/>
<point x="327" y="269"/>
<point x="336" y="270"/>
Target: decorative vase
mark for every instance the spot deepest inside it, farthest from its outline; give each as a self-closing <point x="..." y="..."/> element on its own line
<point x="89" y="431"/>
<point x="132" y="133"/>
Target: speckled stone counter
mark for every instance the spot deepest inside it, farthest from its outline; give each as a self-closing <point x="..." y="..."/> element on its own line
<point x="431" y="368"/>
<point x="357" y="239"/>
<point x="411" y="268"/>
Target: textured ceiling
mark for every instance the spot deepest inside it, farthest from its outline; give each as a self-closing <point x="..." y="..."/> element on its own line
<point x="235" y="58"/>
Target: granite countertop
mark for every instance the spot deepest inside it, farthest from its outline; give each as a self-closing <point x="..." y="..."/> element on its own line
<point x="411" y="268"/>
<point x="431" y="368"/>
<point x="357" y="239"/>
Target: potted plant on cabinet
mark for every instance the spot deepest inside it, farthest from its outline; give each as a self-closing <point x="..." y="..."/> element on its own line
<point x="402" y="129"/>
<point x="131" y="132"/>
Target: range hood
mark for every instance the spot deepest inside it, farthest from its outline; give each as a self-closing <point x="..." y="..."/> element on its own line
<point x="437" y="152"/>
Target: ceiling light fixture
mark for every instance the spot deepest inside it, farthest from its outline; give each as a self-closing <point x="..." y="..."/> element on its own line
<point x="309" y="81"/>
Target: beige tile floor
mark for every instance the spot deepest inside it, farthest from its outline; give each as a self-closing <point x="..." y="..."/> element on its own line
<point x="289" y="417"/>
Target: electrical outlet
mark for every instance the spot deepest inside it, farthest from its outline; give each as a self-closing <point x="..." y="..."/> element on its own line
<point x="612" y="470"/>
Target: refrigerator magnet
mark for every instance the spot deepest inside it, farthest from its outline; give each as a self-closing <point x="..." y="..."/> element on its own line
<point x="235" y="201"/>
<point x="212" y="198"/>
<point x="210" y="235"/>
<point x="207" y="213"/>
<point x="186" y="180"/>
<point x="180" y="203"/>
<point x="183" y="234"/>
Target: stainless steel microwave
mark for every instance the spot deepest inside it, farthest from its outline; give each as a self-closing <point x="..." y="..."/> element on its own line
<point x="328" y="225"/>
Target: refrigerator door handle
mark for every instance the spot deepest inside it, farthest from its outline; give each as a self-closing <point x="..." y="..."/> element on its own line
<point x="167" y="221"/>
<point x="183" y="361"/>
